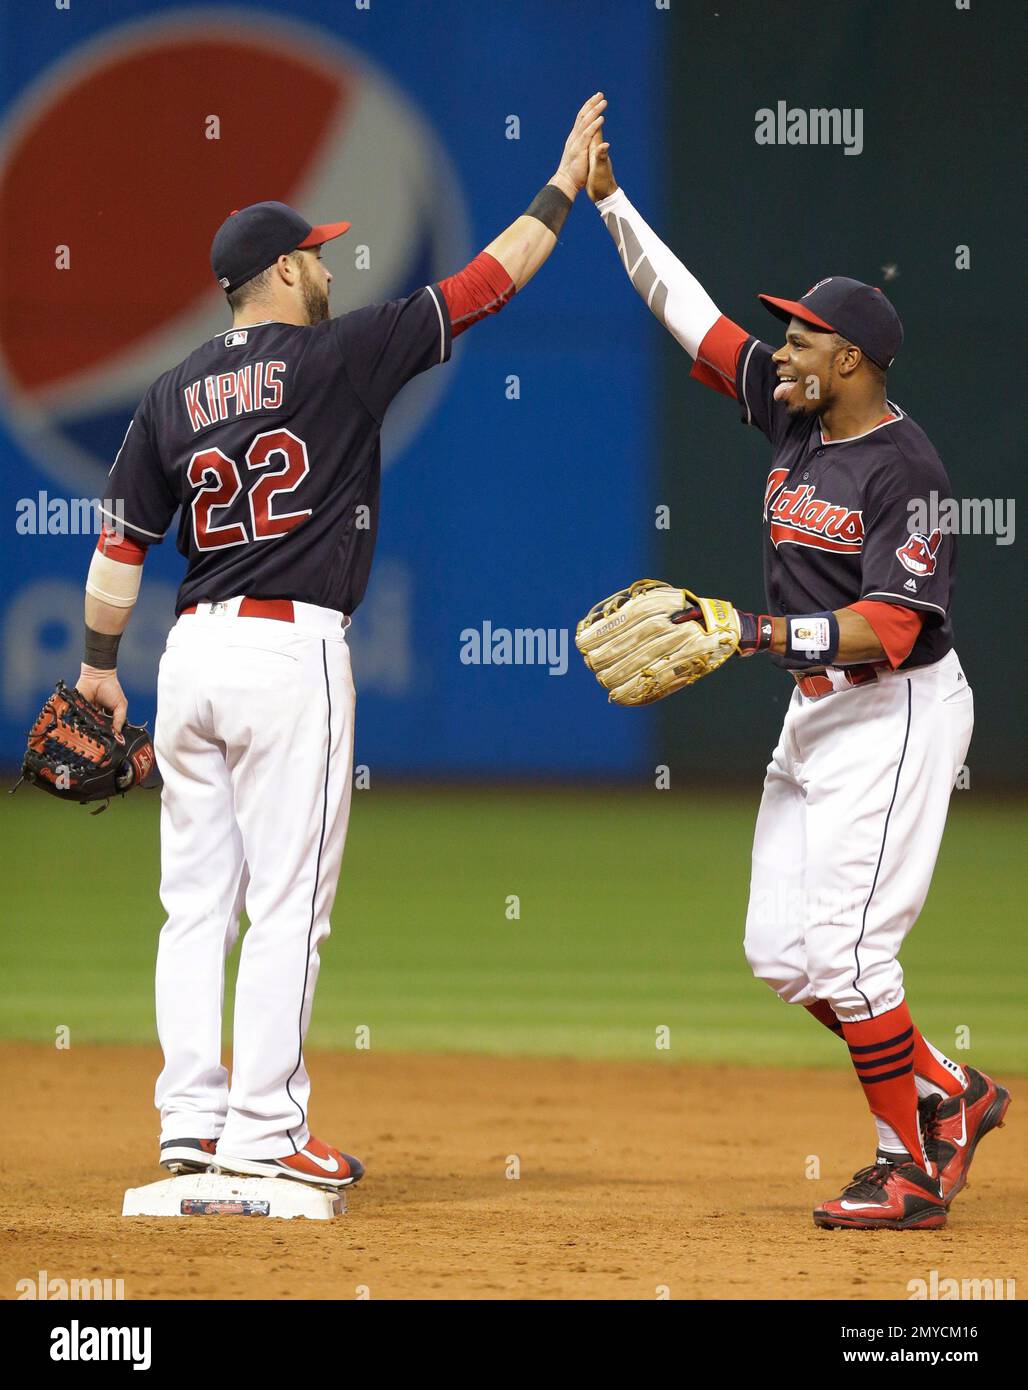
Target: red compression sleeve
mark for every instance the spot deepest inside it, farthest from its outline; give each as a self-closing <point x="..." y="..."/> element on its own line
<point x="719" y="352"/>
<point x="895" y="627"/>
<point x="482" y="287"/>
<point x="120" y="547"/>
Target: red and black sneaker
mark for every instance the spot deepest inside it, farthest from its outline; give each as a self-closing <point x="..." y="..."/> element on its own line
<point x="188" y="1155"/>
<point x="886" y="1197"/>
<point x="316" y="1163"/>
<point x="953" y="1127"/>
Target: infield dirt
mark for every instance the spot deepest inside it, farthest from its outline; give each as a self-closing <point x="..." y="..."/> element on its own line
<point x="634" y="1179"/>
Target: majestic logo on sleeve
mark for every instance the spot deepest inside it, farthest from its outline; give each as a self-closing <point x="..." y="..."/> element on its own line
<point x="799" y="518"/>
<point x="917" y="554"/>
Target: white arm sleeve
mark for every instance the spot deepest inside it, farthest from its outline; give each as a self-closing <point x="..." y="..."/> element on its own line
<point x="677" y="298"/>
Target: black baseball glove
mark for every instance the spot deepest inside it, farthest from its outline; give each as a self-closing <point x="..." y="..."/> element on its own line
<point x="74" y="753"/>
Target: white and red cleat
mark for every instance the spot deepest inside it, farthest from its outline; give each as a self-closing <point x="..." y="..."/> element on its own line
<point x="316" y="1163"/>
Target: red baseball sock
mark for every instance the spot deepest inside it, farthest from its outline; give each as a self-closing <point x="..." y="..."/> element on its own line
<point x="824" y="1013"/>
<point x="926" y="1062"/>
<point x="882" y="1053"/>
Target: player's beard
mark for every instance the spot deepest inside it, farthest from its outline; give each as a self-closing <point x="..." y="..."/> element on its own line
<point x="315" y="299"/>
<point x="810" y="405"/>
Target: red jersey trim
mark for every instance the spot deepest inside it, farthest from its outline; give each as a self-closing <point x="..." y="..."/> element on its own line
<point x="718" y="357"/>
<point x="120" y="548"/>
<point x="895" y="627"/>
<point x="482" y="287"/>
<point x="895" y="414"/>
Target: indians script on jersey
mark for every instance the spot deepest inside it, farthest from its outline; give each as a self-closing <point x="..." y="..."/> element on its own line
<point x="796" y="514"/>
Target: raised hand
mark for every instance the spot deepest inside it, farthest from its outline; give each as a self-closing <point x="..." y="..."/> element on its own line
<point x="600" y="181"/>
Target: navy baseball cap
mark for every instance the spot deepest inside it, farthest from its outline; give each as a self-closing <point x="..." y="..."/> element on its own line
<point x="859" y="313"/>
<point x="250" y="239"/>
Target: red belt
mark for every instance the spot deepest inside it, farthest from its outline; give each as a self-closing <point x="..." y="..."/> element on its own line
<point x="816" y="685"/>
<point x="280" y="608"/>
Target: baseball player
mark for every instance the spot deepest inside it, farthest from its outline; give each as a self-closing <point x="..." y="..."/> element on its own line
<point x="879" y="722"/>
<point x="265" y="442"/>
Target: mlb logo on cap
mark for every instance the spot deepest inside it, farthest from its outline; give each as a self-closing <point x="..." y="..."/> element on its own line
<point x="859" y="313"/>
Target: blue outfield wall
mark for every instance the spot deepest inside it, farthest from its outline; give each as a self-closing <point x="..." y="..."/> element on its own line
<point x="501" y="467"/>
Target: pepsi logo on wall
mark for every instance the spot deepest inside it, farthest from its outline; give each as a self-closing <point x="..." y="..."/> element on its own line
<point x="93" y="159"/>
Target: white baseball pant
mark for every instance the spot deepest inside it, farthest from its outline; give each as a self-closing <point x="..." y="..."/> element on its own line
<point x="848" y="832"/>
<point x="254" y="739"/>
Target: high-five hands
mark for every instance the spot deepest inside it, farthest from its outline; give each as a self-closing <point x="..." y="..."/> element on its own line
<point x="573" y="169"/>
<point x="525" y="245"/>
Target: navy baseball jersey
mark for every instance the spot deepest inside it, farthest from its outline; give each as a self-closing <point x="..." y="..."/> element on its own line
<point x="267" y="440"/>
<point x="837" y="513"/>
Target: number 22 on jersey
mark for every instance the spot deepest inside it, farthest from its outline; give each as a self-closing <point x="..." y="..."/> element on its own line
<point x="218" y="480"/>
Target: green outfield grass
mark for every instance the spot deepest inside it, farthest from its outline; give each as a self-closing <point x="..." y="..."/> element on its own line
<point x="631" y="909"/>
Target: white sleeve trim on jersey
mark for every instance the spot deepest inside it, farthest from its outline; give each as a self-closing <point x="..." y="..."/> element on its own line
<point x="745" y="369"/>
<point x="907" y="600"/>
<point x="442" y="324"/>
<point x="124" y="441"/>
<point x="671" y="293"/>
<point x="120" y="521"/>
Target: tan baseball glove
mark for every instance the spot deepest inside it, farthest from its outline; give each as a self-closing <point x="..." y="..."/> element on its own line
<point x="651" y="639"/>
